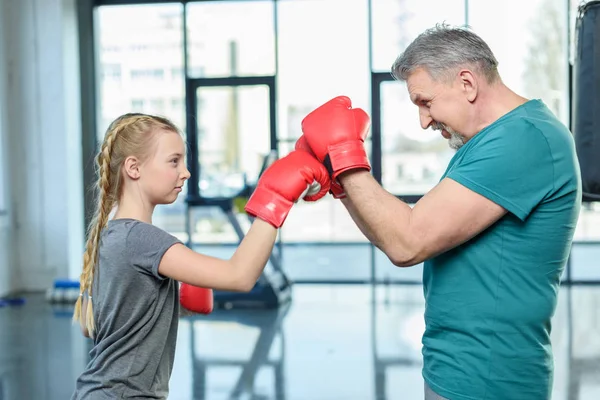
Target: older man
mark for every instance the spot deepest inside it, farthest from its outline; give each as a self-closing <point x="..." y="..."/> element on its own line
<point x="496" y="231"/>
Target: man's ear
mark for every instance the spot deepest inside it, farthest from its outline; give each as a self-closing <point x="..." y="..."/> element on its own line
<point x="132" y="167"/>
<point x="468" y="84"/>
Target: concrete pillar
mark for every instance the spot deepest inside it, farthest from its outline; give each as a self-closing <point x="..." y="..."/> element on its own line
<point x="40" y="77"/>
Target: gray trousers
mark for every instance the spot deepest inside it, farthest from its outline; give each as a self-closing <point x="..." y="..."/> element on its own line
<point x="431" y="395"/>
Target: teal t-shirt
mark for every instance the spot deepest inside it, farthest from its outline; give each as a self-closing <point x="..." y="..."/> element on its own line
<point x="489" y="302"/>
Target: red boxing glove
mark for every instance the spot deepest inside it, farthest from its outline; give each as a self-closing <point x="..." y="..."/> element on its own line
<point x="196" y="299"/>
<point x="336" y="189"/>
<point x="295" y="176"/>
<point x="336" y="134"/>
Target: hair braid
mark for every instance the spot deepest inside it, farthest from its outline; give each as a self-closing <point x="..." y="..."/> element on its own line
<point x="105" y="204"/>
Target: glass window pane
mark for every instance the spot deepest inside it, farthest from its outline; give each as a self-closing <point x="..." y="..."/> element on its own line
<point x="413" y="159"/>
<point x="584" y="262"/>
<point x="3" y="168"/>
<point x="140" y="62"/>
<point x="320" y="56"/>
<point x="233" y="137"/>
<point x="395" y="23"/>
<point x="530" y="45"/>
<point x="588" y="225"/>
<point x="231" y="38"/>
<point x="586" y="250"/>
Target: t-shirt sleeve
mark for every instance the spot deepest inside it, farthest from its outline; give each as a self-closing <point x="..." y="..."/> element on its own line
<point x="146" y="245"/>
<point x="511" y="166"/>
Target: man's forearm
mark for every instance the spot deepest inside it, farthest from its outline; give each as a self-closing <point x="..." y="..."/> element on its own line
<point x="383" y="219"/>
<point x="359" y="221"/>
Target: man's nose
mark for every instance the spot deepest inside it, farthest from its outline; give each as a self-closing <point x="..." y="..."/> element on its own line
<point x="425" y="119"/>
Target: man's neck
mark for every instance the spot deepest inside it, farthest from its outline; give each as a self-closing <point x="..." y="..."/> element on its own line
<point x="497" y="101"/>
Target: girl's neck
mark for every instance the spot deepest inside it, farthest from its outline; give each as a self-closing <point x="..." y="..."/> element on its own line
<point x="130" y="208"/>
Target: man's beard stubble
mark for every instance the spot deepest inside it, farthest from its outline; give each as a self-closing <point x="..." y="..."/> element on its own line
<point x="456" y="140"/>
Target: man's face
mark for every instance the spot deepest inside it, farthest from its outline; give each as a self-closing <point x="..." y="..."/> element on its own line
<point x="440" y="106"/>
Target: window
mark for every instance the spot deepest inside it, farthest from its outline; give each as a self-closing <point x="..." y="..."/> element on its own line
<point x="144" y="43"/>
<point x="530" y="46"/>
<point x="233" y="126"/>
<point x="111" y="72"/>
<point x="395" y="23"/>
<point x="137" y="105"/>
<point x="320" y="63"/>
<point x="141" y="68"/>
<point x="231" y="38"/>
<point x="585" y="251"/>
<point x="317" y="63"/>
<point x="3" y="168"/>
<point x="147" y="74"/>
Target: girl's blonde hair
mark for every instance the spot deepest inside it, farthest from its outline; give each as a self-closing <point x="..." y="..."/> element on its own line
<point x="128" y="135"/>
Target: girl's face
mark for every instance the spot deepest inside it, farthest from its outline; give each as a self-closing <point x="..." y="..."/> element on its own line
<point x="162" y="176"/>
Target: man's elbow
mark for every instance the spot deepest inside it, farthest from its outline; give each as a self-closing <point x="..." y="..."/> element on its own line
<point x="404" y="261"/>
<point x="405" y="257"/>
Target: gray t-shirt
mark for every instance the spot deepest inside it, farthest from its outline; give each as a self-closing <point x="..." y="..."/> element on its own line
<point x="136" y="311"/>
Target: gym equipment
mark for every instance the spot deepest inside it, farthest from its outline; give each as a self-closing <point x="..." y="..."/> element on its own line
<point x="273" y="287"/>
<point x="12" y="301"/>
<point x="586" y="97"/>
<point x="64" y="291"/>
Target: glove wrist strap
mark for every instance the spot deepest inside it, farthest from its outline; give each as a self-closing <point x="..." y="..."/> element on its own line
<point x="346" y="156"/>
<point x="337" y="190"/>
<point x="269" y="206"/>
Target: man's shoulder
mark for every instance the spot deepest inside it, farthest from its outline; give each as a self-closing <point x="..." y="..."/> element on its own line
<point x="526" y="134"/>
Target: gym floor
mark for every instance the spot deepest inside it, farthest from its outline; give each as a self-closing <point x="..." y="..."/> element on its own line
<point x="340" y="342"/>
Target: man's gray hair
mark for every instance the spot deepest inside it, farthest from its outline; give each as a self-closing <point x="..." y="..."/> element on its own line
<point x="441" y="50"/>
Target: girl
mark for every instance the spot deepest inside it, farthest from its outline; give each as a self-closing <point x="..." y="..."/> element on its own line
<point x="129" y="301"/>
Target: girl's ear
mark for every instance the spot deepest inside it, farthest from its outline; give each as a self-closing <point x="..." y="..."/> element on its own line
<point x="132" y="167"/>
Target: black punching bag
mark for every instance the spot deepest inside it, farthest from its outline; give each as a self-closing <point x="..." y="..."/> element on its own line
<point x="586" y="97"/>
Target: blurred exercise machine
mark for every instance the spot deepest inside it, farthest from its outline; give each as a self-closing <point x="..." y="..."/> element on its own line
<point x="273" y="287"/>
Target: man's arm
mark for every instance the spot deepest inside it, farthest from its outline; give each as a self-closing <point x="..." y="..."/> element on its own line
<point x="447" y="216"/>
